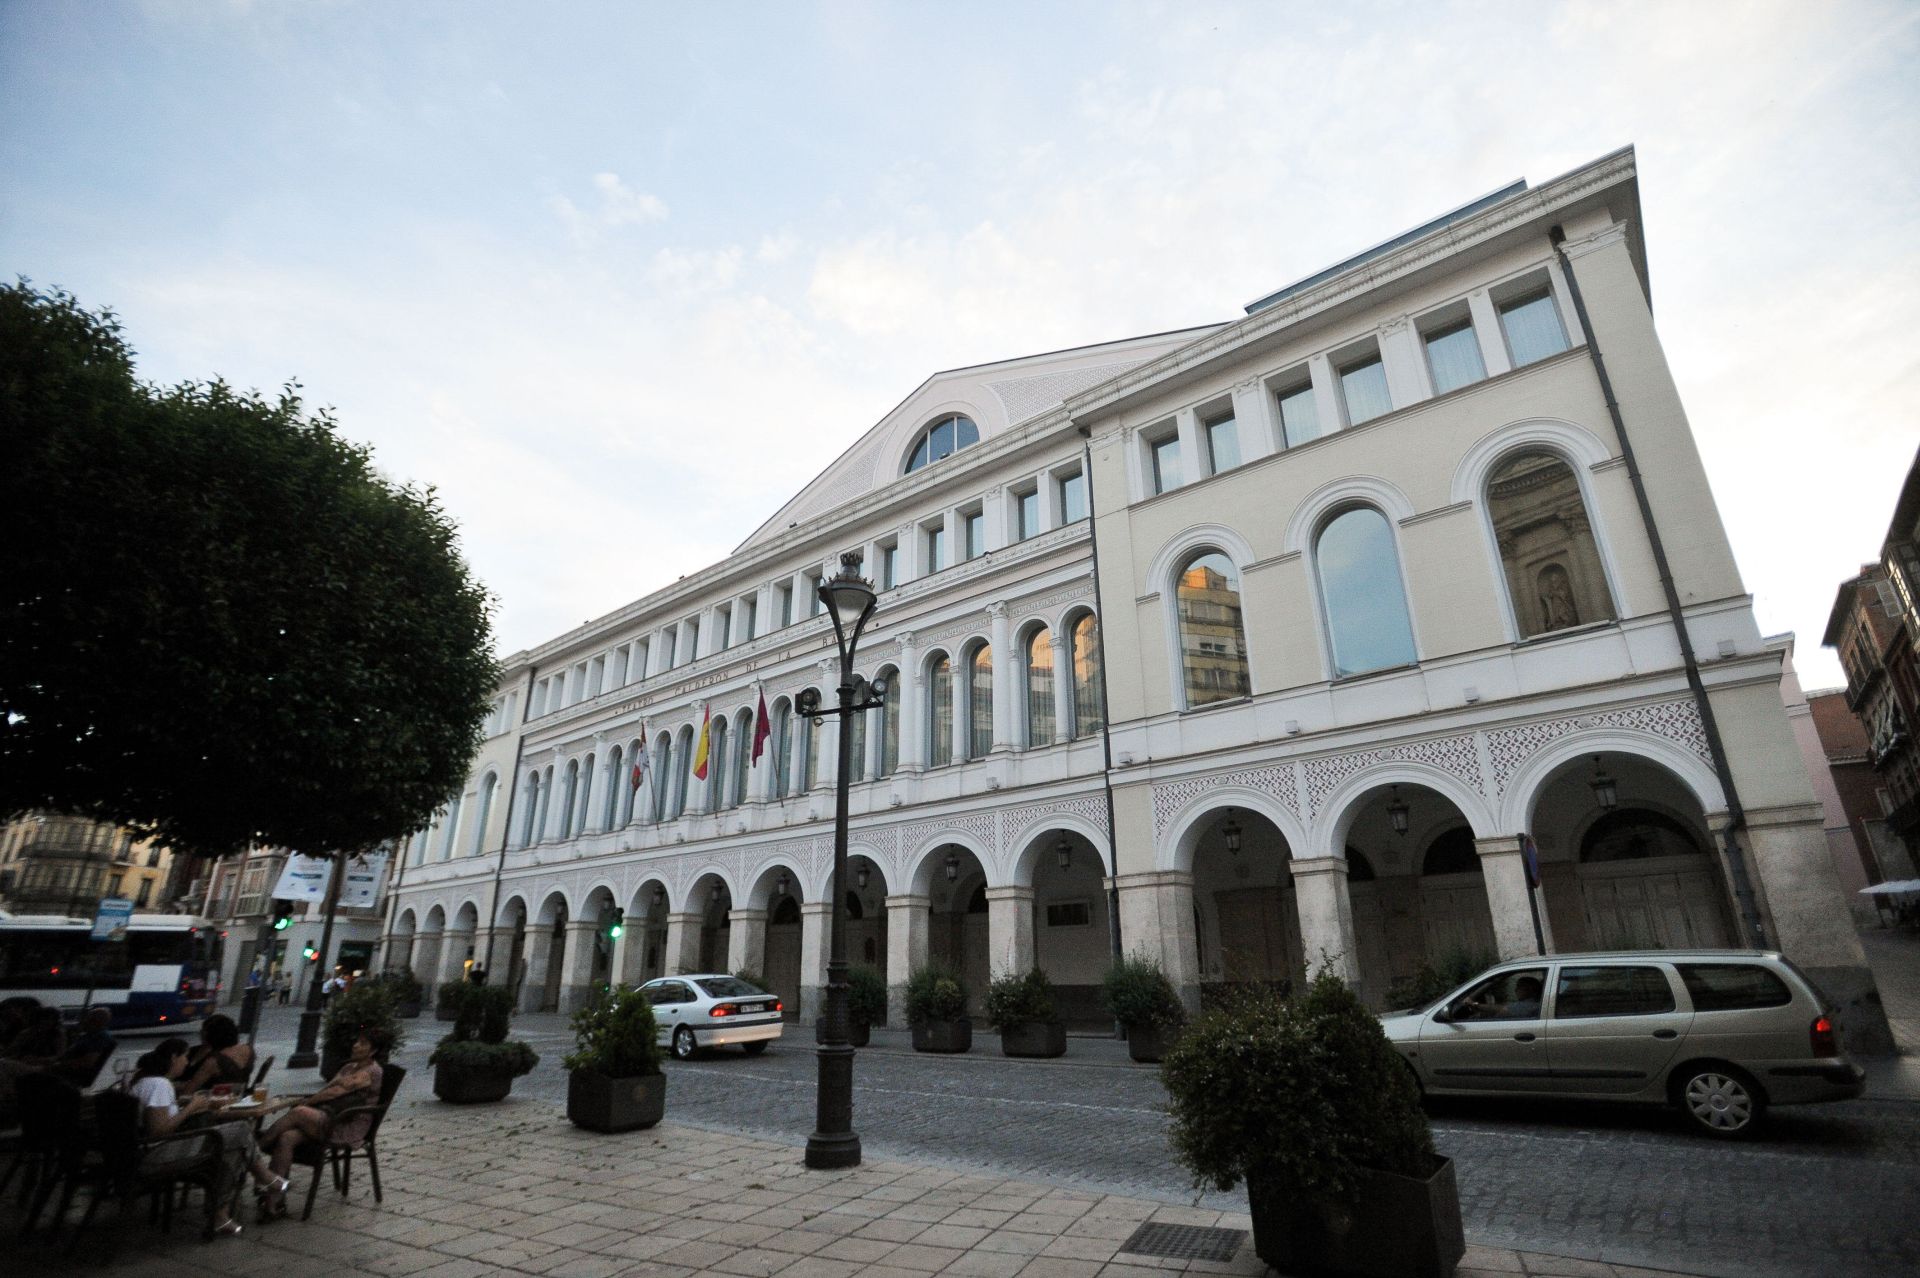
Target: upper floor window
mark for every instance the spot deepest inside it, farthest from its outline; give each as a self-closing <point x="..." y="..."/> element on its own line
<point x="1360" y="589"/>
<point x="889" y="567"/>
<point x="940" y="712"/>
<point x="783" y="603"/>
<point x="1039" y="688"/>
<point x="1363" y="385"/>
<point x="1299" y="412"/>
<point x="942" y="439"/>
<point x="1165" y="457"/>
<point x="1453" y="352"/>
<point x="1026" y="514"/>
<point x="1223" y="442"/>
<point x="980" y="702"/>
<point x="1088" y="713"/>
<point x="1073" y="496"/>
<point x="1531" y="325"/>
<point x="889" y="713"/>
<point x="749" y="617"/>
<point x="487" y="789"/>
<point x="936" y="548"/>
<point x="974" y="527"/>
<point x="1213" y="641"/>
<point x="1547" y="550"/>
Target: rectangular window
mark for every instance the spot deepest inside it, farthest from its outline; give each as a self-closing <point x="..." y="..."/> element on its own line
<point x="1073" y="497"/>
<point x="936" y="548"/>
<point x="783" y="604"/>
<point x="1722" y="987"/>
<point x="1363" y="384"/>
<point x="1453" y="356"/>
<point x="1223" y="443"/>
<point x="1531" y="324"/>
<point x="723" y="623"/>
<point x="889" y="567"/>
<point x="1299" y="415"/>
<point x="1026" y="507"/>
<point x="749" y="618"/>
<point x="1069" y="914"/>
<point x="1611" y="991"/>
<point x="693" y="641"/>
<point x="1166" y="463"/>
<point x="146" y="892"/>
<point x="813" y="599"/>
<point x="974" y="527"/>
<point x="637" y="668"/>
<point x="672" y="640"/>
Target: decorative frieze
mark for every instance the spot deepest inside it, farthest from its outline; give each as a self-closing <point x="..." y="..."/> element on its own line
<point x="1677" y="721"/>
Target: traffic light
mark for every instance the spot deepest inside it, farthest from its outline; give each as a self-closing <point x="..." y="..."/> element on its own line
<point x="282" y="915"/>
<point x="616" y="923"/>
<point x="311" y="951"/>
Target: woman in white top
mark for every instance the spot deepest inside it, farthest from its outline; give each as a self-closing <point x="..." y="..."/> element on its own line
<point x="162" y="1114"/>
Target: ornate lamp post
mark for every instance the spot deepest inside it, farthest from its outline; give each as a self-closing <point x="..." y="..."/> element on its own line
<point x="849" y="602"/>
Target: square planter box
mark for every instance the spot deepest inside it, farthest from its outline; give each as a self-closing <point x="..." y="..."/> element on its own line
<point x="1148" y="1044"/>
<point x="461" y="1085"/>
<point x="601" y="1103"/>
<point x="1034" y="1038"/>
<point x="943" y="1036"/>
<point x="1401" y="1227"/>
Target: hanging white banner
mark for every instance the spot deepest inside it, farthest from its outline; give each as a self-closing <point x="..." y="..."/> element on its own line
<point x="306" y="879"/>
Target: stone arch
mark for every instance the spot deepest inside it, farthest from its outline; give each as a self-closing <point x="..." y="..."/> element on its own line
<point x="694" y="898"/>
<point x="1579" y="446"/>
<point x="764" y="877"/>
<point x="1330" y="498"/>
<point x="1178" y="548"/>
<point x="435" y="921"/>
<point x="1033" y="841"/>
<point x="1183" y="831"/>
<point x="922" y="864"/>
<point x="1522" y="793"/>
<point x="513" y="908"/>
<point x="1344" y="802"/>
<point x="554" y="906"/>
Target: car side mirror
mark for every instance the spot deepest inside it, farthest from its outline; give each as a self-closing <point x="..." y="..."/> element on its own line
<point x="1443" y="1015"/>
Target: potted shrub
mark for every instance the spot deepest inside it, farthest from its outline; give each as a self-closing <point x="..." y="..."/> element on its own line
<point x="446" y="1003"/>
<point x="361" y="1007"/>
<point x="476" y="1062"/>
<point x="1139" y="996"/>
<point x="1306" y="1101"/>
<point x="406" y="991"/>
<point x="866" y="1003"/>
<point x="937" y="1010"/>
<point x="1021" y="1008"/>
<point x="614" y="1083"/>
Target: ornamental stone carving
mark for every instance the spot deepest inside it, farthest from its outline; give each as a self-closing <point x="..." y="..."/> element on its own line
<point x="1276" y="783"/>
<point x="1677" y="721"/>
<point x="1452" y="755"/>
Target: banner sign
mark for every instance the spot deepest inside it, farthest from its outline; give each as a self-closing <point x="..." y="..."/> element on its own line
<point x="306" y="879"/>
<point x="110" y="921"/>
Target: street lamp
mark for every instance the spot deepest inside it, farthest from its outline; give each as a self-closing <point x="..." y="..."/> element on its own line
<point x="1397" y="812"/>
<point x="1064" y="850"/>
<point x="1231" y="832"/>
<point x="849" y="603"/>
<point x="1605" y="792"/>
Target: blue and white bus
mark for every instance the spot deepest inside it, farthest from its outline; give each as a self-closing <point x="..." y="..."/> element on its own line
<point x="165" y="973"/>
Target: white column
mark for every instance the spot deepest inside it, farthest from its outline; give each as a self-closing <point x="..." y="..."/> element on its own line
<point x="1504" y="872"/>
<point x="766" y="622"/>
<point x="683" y="944"/>
<point x="1326" y="916"/>
<point x="576" y="969"/>
<point x="657" y="651"/>
<point x="1326" y="394"/>
<point x="1486" y="329"/>
<point x="1062" y="685"/>
<point x="1193" y="449"/>
<point x="1157" y="909"/>
<point x="1406" y="367"/>
<point x="537" y="954"/>
<point x="1257" y="419"/>
<point x="747" y="941"/>
<point x="958" y="688"/>
<point x="1049" y="492"/>
<point x="1004" y="694"/>
<point x="907" y="938"/>
<point x="815" y="918"/>
<point x="913" y="707"/>
<point x="448" y="964"/>
<point x="1009" y="931"/>
<point x="993" y="509"/>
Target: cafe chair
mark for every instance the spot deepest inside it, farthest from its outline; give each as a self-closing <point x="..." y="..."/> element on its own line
<point x="338" y="1158"/>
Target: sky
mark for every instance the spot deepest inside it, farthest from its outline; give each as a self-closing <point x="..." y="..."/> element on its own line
<point x="618" y="279"/>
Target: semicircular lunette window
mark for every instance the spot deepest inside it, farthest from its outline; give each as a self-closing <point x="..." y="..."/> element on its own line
<point x="942" y="439"/>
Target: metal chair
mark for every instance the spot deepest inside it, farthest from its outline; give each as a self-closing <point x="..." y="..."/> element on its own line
<point x="127" y="1167"/>
<point x="260" y="1075"/>
<point x="49" y="1139"/>
<point x="338" y="1158"/>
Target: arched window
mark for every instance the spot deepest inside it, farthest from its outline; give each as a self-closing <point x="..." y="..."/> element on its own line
<point x="856" y="729"/>
<point x="939" y="712"/>
<point x="660" y="776"/>
<point x="610" y="816"/>
<point x="742" y="756"/>
<point x="1547" y="551"/>
<point x="717" y="765"/>
<point x="941" y="439"/>
<point x="1213" y="641"/>
<point x="980" y="702"/>
<point x="569" y="793"/>
<point x="1039" y="689"/>
<point x="586" y="796"/>
<point x="809" y="754"/>
<point x="1361" y="593"/>
<point x="530" y="822"/>
<point x="682" y="769"/>
<point x="889" y="726"/>
<point x="1089" y="714"/>
<point x="451" y="828"/>
<point x="487" y="789"/>
<point x="782" y="747"/>
<point x="1452" y="852"/>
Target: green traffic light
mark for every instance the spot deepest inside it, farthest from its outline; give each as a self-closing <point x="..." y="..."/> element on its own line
<point x="282" y="924"/>
<point x="615" y="931"/>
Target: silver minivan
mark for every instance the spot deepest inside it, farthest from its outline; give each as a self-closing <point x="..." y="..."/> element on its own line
<point x="1721" y="1034"/>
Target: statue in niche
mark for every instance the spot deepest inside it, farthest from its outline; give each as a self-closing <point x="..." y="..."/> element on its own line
<point x="1557" y="606"/>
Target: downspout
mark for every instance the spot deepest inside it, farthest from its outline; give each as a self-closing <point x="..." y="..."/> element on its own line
<point x="506" y="830"/>
<point x="1106" y="715"/>
<point x="1736" y="813"/>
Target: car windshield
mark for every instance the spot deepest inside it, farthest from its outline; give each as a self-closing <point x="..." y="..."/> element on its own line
<point x="727" y="987"/>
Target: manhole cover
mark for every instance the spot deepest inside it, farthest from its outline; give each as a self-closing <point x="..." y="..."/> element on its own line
<point x="1185" y="1242"/>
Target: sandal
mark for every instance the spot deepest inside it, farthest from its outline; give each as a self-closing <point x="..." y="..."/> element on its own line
<point x="231" y="1229"/>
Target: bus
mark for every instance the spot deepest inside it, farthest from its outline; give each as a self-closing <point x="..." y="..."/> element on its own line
<point x="166" y="972"/>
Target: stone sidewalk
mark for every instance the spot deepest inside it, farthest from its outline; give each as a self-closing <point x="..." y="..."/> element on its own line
<point x="514" y="1189"/>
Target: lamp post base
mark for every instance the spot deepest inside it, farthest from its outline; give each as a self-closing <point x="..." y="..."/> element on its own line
<point x="826" y="1152"/>
<point x="305" y="1056"/>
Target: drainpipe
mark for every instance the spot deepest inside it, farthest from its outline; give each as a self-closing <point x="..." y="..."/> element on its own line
<point x="1106" y="716"/>
<point x="1737" y="816"/>
<point x="506" y="832"/>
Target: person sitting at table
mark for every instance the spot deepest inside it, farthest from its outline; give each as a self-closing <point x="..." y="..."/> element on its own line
<point x="162" y="1113"/>
<point x="81" y="1063"/>
<point x="41" y="1042"/>
<point x="220" y="1057"/>
<point x="355" y="1083"/>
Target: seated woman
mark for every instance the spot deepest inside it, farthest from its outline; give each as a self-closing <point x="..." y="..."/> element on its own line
<point x="356" y="1083"/>
<point x="162" y="1114"/>
<point x="220" y="1058"/>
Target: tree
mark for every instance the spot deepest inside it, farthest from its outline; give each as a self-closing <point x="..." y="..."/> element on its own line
<point x="218" y="622"/>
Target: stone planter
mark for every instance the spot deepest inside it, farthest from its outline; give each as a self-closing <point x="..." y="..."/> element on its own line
<point x="1148" y="1044"/>
<point x="943" y="1036"/>
<point x="409" y="1011"/>
<point x="859" y="1033"/>
<point x="1034" y="1038"/>
<point x="467" y="1085"/>
<point x="1399" y="1227"/>
<point x="601" y="1103"/>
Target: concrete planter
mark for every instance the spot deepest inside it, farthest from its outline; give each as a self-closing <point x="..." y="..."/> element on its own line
<point x="1148" y="1044"/>
<point x="1399" y="1227"/>
<point x="469" y="1085"/>
<point x="601" y="1103"/>
<point x="859" y="1033"/>
<point x="408" y="1011"/>
<point x="1034" y="1038"/>
<point x="943" y="1036"/>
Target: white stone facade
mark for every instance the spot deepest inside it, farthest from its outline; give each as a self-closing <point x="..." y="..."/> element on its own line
<point x="1269" y="809"/>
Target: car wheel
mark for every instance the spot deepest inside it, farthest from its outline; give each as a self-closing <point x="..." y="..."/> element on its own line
<point x="1721" y="1101"/>
<point x="684" y="1044"/>
<point x="754" y="1049"/>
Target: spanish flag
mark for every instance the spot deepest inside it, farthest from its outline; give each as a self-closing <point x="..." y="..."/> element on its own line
<point x="700" y="751"/>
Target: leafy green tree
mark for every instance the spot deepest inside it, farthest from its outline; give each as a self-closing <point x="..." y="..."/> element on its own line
<point x="219" y="622"/>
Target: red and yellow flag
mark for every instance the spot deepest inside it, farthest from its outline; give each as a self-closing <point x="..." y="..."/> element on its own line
<point x="700" y="751"/>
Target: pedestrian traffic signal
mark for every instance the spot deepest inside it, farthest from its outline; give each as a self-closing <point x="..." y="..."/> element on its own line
<point x="616" y="924"/>
<point x="311" y="951"/>
<point x="282" y="915"/>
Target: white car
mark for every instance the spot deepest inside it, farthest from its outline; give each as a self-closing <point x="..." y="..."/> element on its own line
<point x="712" y="1009"/>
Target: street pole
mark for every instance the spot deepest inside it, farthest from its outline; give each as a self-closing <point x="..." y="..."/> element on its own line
<point x="304" y="1055"/>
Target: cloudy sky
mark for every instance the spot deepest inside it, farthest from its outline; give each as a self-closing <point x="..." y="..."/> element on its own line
<point x="617" y="279"/>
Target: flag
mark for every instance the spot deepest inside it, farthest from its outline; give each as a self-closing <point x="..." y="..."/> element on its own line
<point x="700" y="750"/>
<point x="640" y="760"/>
<point x="1530" y="856"/>
<point x="761" y="729"/>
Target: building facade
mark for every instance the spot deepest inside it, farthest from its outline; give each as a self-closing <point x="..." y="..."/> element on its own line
<point x="56" y="864"/>
<point x="239" y="899"/>
<point x="1252" y="646"/>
